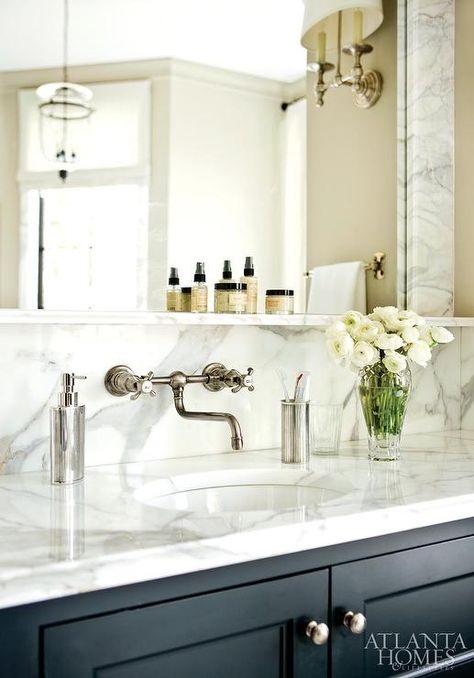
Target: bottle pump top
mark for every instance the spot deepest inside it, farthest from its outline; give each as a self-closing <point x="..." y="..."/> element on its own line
<point x="68" y="397"/>
<point x="227" y="271"/>
<point x="200" y="275"/>
<point x="248" y="268"/>
<point x="174" y="276"/>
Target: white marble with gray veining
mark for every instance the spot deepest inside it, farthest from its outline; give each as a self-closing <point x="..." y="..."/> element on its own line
<point x="467" y="378"/>
<point x="59" y="541"/>
<point x="28" y="317"/>
<point x="430" y="156"/>
<point x="36" y="317"/>
<point x="119" y="430"/>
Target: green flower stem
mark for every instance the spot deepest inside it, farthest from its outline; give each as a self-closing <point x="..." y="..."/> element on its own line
<point x="384" y="398"/>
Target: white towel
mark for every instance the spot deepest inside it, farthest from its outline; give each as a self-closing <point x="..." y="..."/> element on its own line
<point x="338" y="288"/>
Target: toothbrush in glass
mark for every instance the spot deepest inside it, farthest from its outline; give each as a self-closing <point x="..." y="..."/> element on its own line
<point x="302" y="387"/>
<point x="282" y="374"/>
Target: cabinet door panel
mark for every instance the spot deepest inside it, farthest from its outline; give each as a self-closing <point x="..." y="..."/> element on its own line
<point x="250" y="631"/>
<point x="250" y="654"/>
<point x="418" y="606"/>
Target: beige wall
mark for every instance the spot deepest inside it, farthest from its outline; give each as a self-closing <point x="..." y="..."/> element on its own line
<point x="9" y="208"/>
<point x="464" y="155"/>
<point x="224" y="178"/>
<point x="353" y="169"/>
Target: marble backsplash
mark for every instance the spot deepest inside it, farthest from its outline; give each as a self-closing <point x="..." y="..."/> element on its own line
<point x="467" y="378"/>
<point x="34" y="355"/>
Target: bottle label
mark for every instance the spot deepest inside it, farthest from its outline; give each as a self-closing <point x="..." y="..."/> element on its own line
<point x="276" y="304"/>
<point x="237" y="302"/>
<point x="199" y="300"/>
<point x="186" y="302"/>
<point x="252" y="294"/>
<point x="173" y="300"/>
<point x="221" y="301"/>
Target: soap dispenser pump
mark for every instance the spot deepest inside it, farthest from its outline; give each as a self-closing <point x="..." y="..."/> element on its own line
<point x="67" y="423"/>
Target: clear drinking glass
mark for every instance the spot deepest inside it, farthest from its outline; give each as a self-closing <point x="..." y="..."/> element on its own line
<point x="325" y="428"/>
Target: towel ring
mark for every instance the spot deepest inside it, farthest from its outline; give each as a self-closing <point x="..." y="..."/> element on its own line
<point x="376" y="266"/>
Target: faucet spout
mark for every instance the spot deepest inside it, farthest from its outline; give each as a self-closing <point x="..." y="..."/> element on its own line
<point x="121" y="381"/>
<point x="235" y="430"/>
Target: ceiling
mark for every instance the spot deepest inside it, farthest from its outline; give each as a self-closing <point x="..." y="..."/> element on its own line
<point x="260" y="37"/>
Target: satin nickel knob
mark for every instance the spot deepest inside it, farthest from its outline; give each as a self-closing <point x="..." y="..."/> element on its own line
<point x="318" y="633"/>
<point x="355" y="622"/>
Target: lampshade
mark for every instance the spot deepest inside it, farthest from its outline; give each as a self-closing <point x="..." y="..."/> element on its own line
<point x="64" y="101"/>
<point x="321" y="15"/>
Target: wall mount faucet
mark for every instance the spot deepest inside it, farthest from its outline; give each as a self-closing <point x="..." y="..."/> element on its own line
<point x="120" y="381"/>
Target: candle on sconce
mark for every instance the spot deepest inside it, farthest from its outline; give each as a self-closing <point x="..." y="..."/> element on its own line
<point x="358" y="17"/>
<point x="322" y="47"/>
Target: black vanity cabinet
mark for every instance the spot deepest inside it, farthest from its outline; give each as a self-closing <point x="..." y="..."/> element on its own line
<point x="250" y="620"/>
<point x="419" y="607"/>
<point x="254" y="631"/>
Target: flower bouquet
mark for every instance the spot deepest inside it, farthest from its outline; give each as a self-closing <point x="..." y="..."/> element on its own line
<point x="380" y="347"/>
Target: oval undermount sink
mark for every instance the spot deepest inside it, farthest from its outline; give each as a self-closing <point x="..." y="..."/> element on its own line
<point x="255" y="490"/>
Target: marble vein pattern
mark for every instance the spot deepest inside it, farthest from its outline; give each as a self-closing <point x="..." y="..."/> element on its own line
<point x="119" y="430"/>
<point x="103" y="532"/>
<point x="467" y="378"/>
<point x="430" y="156"/>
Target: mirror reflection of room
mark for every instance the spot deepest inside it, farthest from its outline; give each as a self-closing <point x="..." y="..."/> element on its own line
<point x="169" y="148"/>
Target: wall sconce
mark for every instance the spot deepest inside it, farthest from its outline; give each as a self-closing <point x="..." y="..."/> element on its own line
<point x="341" y="26"/>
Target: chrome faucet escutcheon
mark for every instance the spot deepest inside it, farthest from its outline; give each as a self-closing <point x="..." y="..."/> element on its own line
<point x="121" y="381"/>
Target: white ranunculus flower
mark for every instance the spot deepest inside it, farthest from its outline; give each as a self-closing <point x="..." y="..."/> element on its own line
<point x="364" y="354"/>
<point x="410" y="335"/>
<point x="352" y="320"/>
<point x="394" y="362"/>
<point x="388" y="315"/>
<point x="425" y="334"/>
<point x="420" y="353"/>
<point x="340" y="347"/>
<point x="441" y="335"/>
<point x="408" y="319"/>
<point x="336" y="328"/>
<point x="389" y="342"/>
<point x="368" y="330"/>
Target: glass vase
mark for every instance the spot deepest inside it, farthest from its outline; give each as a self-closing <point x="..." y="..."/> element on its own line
<point x="384" y="398"/>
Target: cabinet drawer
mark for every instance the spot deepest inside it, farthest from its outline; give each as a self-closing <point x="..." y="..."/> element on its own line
<point x="250" y="631"/>
<point x="421" y="595"/>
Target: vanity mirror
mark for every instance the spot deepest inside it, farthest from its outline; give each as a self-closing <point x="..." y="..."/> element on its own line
<point x="188" y="154"/>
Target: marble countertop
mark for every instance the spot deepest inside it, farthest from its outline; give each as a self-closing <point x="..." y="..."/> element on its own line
<point x="109" y="530"/>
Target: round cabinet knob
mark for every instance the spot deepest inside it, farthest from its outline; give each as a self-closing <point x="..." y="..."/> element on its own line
<point x="355" y="622"/>
<point x="318" y="633"/>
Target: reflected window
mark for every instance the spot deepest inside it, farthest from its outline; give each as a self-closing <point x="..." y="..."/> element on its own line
<point x="92" y="246"/>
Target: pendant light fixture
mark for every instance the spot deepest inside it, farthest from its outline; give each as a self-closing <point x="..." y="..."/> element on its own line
<point x="63" y="107"/>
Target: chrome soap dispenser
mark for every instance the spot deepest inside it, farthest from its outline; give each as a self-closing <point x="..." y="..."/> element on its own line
<point x="67" y="423"/>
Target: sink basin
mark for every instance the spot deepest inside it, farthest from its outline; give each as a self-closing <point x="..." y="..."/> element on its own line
<point x="237" y="491"/>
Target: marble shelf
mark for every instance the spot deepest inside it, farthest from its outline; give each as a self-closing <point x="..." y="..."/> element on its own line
<point x="35" y="317"/>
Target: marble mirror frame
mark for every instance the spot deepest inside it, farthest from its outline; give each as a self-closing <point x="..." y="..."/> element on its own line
<point x="426" y="156"/>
